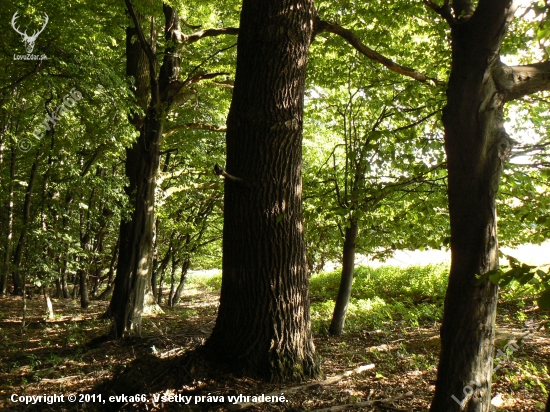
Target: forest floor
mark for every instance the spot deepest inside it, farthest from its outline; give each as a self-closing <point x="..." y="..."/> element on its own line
<point x="54" y="357"/>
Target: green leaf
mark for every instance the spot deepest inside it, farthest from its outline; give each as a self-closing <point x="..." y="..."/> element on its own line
<point x="544" y="300"/>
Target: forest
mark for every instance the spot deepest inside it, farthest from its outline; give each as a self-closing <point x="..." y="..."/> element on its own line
<point x="199" y="200"/>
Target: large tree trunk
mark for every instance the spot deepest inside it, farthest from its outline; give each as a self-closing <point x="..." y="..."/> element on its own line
<point x="477" y="147"/>
<point x="346" y="281"/>
<point x="263" y="324"/>
<point x="136" y="236"/>
<point x="134" y="269"/>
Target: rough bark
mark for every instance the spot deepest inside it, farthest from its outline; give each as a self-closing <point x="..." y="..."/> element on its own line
<point x="263" y="323"/>
<point x="346" y="281"/>
<point x="477" y="147"/>
<point x="136" y="254"/>
<point x="134" y="267"/>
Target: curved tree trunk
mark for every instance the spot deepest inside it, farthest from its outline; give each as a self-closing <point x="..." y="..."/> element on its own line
<point x="346" y="281"/>
<point x="263" y="323"/>
<point x="179" y="290"/>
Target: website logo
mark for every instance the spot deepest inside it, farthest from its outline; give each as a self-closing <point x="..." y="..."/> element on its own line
<point x="29" y="40"/>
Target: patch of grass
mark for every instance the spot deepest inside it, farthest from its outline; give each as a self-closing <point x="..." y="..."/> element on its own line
<point x="210" y="282"/>
<point x="414" y="283"/>
<point x="412" y="295"/>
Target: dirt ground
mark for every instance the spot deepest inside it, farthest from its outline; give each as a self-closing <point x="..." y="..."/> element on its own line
<point x="392" y="369"/>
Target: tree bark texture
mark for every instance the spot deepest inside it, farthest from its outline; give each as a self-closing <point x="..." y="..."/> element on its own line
<point x="346" y="281"/>
<point x="134" y="267"/>
<point x="263" y="324"/>
<point x="136" y="236"/>
<point x="477" y="147"/>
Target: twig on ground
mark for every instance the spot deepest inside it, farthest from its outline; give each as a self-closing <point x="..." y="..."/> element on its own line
<point x="365" y="403"/>
<point x="286" y="391"/>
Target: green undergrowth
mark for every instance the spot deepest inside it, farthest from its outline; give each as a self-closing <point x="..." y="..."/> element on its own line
<point x="412" y="295"/>
<point x="212" y="282"/>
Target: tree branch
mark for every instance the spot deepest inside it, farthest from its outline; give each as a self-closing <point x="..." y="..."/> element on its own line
<point x="203" y="76"/>
<point x="230" y="84"/>
<point x="194" y="126"/>
<point x="519" y="81"/>
<point x="193" y="37"/>
<point x="155" y="95"/>
<point x="463" y="8"/>
<point x="173" y="92"/>
<point x="444" y="11"/>
<point x="322" y="26"/>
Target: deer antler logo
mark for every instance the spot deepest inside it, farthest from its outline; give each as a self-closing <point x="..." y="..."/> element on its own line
<point x="29" y="40"/>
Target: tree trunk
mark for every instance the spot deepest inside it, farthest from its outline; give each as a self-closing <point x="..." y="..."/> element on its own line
<point x="84" y="298"/>
<point x="179" y="290"/>
<point x="134" y="267"/>
<point x="9" y="223"/>
<point x="344" y="293"/>
<point x="477" y="147"/>
<point x="17" y="284"/>
<point x="112" y="266"/>
<point x="136" y="250"/>
<point x="159" y="290"/>
<point x="263" y="323"/>
<point x="48" y="302"/>
<point x="63" y="278"/>
<point x="155" y="284"/>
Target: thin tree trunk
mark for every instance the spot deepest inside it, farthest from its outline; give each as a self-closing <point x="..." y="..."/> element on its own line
<point x="48" y="302"/>
<point x="58" y="292"/>
<point x="9" y="224"/>
<point x="24" y="229"/>
<point x="84" y="297"/>
<point x="263" y="323"/>
<point x="64" y="286"/>
<point x="76" y="290"/>
<point x="161" y="269"/>
<point x="175" y="262"/>
<point x="112" y="266"/>
<point x="177" y="295"/>
<point x="346" y="281"/>
<point x="159" y="291"/>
